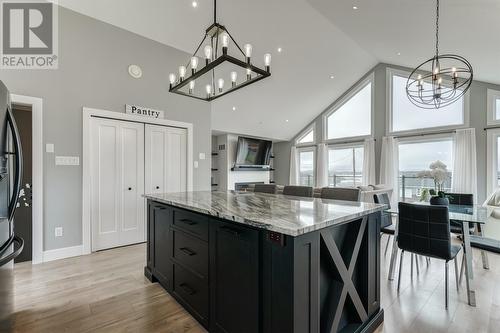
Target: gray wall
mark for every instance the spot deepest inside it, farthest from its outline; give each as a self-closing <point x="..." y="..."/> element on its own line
<point x="478" y="115"/>
<point x="94" y="57"/>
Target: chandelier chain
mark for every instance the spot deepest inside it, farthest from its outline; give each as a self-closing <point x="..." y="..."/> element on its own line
<point x="437" y="27"/>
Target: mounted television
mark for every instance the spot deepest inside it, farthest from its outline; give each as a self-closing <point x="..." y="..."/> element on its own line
<point x="253" y="152"/>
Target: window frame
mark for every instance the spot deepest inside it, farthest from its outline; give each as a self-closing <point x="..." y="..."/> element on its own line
<point x="491" y="160"/>
<point x="344" y="99"/>
<point x="425" y="139"/>
<point x="492" y="96"/>
<point x="304" y="133"/>
<point x="349" y="145"/>
<point x="305" y="150"/>
<point x="390" y="72"/>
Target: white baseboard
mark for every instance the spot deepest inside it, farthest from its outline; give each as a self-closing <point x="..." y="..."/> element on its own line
<point x="66" y="252"/>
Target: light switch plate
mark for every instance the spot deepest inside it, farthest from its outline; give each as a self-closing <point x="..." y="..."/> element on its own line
<point x="49" y="147"/>
<point x="58" y="231"/>
<point x="196" y="164"/>
<point x="67" y="160"/>
<point x="202" y="156"/>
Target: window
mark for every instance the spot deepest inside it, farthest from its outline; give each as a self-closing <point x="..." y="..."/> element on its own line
<point x="493" y="107"/>
<point x="407" y="117"/>
<point x="306" y="166"/>
<point x="306" y="137"/>
<point x="353" y="118"/>
<point x="493" y="160"/>
<point x="417" y="156"/>
<point x="345" y="166"/>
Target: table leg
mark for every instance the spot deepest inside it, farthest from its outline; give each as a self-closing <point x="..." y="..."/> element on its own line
<point x="394" y="252"/>
<point x="469" y="273"/>
<point x="478" y="231"/>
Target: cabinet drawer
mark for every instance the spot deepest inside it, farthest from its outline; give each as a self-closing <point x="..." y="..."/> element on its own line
<point x="193" y="291"/>
<point x="191" y="252"/>
<point x="191" y="222"/>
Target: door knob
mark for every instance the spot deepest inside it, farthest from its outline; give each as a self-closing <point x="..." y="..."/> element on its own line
<point x="130" y="188"/>
<point x="157" y="187"/>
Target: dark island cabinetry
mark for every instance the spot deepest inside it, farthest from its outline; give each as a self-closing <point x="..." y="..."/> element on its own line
<point x="237" y="278"/>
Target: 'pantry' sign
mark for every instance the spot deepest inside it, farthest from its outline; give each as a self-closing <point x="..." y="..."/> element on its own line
<point x="142" y="111"/>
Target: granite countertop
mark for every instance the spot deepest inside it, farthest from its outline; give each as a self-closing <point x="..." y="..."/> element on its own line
<point x="288" y="215"/>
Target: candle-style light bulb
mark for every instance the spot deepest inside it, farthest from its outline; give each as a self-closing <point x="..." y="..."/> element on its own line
<point x="182" y="73"/>
<point x="249" y="74"/>
<point x="234" y="76"/>
<point x="208" y="53"/>
<point x="172" y="79"/>
<point x="267" y="61"/>
<point x="191" y="86"/>
<point x="194" y="64"/>
<point x="225" y="42"/>
<point x="208" y="88"/>
<point x="220" y="83"/>
<point x="248" y="51"/>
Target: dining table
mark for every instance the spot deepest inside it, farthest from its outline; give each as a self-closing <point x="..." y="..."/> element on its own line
<point x="467" y="215"/>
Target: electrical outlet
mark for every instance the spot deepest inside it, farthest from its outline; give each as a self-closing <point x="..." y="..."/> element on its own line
<point x="58" y="231"/>
<point x="196" y="164"/>
<point x="49" y="147"/>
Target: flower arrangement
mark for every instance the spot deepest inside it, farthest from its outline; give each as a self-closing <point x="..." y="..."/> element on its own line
<point x="439" y="172"/>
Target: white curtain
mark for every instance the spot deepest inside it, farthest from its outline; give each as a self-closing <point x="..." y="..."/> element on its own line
<point x="464" y="178"/>
<point x="369" y="162"/>
<point x="322" y="166"/>
<point x="389" y="167"/>
<point x="294" y="166"/>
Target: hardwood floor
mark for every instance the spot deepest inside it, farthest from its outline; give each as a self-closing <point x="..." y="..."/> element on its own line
<point x="107" y="292"/>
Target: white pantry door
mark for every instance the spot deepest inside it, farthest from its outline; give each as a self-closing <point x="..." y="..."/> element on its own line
<point x="166" y="159"/>
<point x="117" y="183"/>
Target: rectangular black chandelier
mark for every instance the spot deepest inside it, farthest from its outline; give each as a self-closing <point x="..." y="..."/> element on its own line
<point x="217" y="58"/>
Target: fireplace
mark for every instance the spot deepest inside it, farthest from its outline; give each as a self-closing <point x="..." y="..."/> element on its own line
<point x="244" y="186"/>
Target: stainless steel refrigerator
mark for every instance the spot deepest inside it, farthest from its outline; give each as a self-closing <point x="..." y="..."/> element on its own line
<point x="11" y="172"/>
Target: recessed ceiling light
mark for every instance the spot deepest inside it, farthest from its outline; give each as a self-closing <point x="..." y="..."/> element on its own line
<point x="194" y="4"/>
<point x="354" y="7"/>
<point x="234" y="108"/>
<point x="286" y="120"/>
<point x="332" y="76"/>
<point x="399" y="53"/>
<point x="280" y="49"/>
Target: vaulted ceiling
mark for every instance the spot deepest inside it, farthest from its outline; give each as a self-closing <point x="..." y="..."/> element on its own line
<point x="318" y="38"/>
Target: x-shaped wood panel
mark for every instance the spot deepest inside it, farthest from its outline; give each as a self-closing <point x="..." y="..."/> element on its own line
<point x="346" y="275"/>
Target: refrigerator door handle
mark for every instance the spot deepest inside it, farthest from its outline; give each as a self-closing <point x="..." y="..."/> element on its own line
<point x="18" y="158"/>
<point x="18" y="244"/>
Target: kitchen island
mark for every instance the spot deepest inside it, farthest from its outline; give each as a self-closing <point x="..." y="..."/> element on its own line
<point x="255" y="262"/>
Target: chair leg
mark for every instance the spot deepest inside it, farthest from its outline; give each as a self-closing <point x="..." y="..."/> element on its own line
<point x="416" y="263"/>
<point x="400" y="268"/>
<point x="456" y="274"/>
<point x="428" y="260"/>
<point x="446" y="285"/>
<point x="462" y="269"/>
<point x="387" y="245"/>
<point x="411" y="274"/>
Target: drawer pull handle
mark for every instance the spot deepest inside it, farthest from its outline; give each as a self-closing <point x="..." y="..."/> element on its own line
<point x="231" y="231"/>
<point x="187" y="251"/>
<point x="188" y="221"/>
<point x="187" y="289"/>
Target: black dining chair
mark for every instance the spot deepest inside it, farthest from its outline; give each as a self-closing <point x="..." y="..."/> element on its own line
<point x="425" y="230"/>
<point x="340" y="193"/>
<point x="463" y="200"/>
<point x="386" y="226"/>
<point x="265" y="188"/>
<point x="299" y="191"/>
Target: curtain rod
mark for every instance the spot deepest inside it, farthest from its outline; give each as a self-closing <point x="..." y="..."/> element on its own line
<point x="491" y="127"/>
<point x="424" y="134"/>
